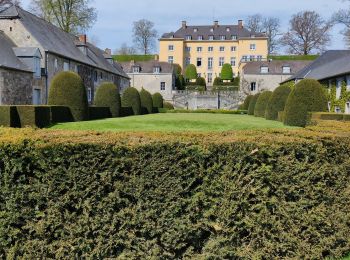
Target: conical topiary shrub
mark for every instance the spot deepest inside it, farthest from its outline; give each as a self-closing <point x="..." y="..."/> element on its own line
<point x="252" y="104"/>
<point x="307" y="96"/>
<point x="157" y="100"/>
<point x="246" y="102"/>
<point x="107" y="95"/>
<point x="67" y="89"/>
<point x="261" y="104"/>
<point x="277" y="102"/>
<point x="131" y="98"/>
<point x="146" y="100"/>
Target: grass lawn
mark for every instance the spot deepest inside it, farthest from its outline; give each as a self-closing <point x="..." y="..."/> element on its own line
<point x="174" y="123"/>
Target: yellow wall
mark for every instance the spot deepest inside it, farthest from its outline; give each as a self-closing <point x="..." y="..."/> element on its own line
<point x="242" y="48"/>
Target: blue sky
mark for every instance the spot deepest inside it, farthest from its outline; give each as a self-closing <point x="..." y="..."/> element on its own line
<point x="115" y="17"/>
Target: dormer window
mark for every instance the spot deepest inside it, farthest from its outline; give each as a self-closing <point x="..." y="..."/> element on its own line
<point x="156" y="69"/>
<point x="222" y="37"/>
<point x="234" y="37"/>
<point x="264" y="69"/>
<point x="195" y="30"/>
<point x="188" y="37"/>
<point x="200" y="38"/>
<point x="211" y="29"/>
<point x="228" y="29"/>
<point x="136" y="69"/>
<point x="286" y="70"/>
<point x="211" y="37"/>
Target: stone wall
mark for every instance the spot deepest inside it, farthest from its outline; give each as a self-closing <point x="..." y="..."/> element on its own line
<point x="263" y="82"/>
<point x="15" y="87"/>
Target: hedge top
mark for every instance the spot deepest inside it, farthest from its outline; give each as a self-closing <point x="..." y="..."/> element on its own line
<point x="277" y="102"/>
<point x="226" y="72"/>
<point x="191" y="72"/>
<point x="107" y="95"/>
<point x="261" y="103"/>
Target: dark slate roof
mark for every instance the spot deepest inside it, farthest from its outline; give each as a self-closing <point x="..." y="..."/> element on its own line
<point x="27" y="52"/>
<point x="330" y="64"/>
<point x="8" y="58"/>
<point x="147" y="66"/>
<point x="275" y="67"/>
<point x="8" y="11"/>
<point x="55" y="40"/>
<point x="205" y="31"/>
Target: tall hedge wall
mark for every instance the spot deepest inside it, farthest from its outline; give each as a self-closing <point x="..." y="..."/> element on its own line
<point x="107" y="95"/>
<point x="277" y="102"/>
<point x="261" y="103"/>
<point x="146" y="100"/>
<point x="158" y="100"/>
<point x="252" y="104"/>
<point x="131" y="98"/>
<point x="196" y="201"/>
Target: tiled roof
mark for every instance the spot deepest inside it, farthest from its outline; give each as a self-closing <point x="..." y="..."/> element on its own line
<point x="275" y="67"/>
<point x="148" y="66"/>
<point x="27" y="52"/>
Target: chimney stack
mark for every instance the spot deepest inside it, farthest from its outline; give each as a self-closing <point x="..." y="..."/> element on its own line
<point x="108" y="51"/>
<point x="184" y="24"/>
<point x="83" y="38"/>
<point x="240" y="24"/>
<point x="216" y="24"/>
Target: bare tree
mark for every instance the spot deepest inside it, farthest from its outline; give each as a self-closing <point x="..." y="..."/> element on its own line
<point x="125" y="50"/>
<point x="269" y="25"/>
<point x="72" y="16"/>
<point x="15" y="2"/>
<point x="144" y="35"/>
<point x="343" y="17"/>
<point x="308" y="32"/>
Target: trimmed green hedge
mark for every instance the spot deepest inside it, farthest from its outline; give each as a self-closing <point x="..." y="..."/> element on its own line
<point x="168" y="105"/>
<point x="34" y="116"/>
<point x="252" y="104"/>
<point x="261" y="104"/>
<point x="61" y="114"/>
<point x="67" y="89"/>
<point x="157" y="100"/>
<point x="191" y="72"/>
<point x="126" y="111"/>
<point x="329" y="116"/>
<point x="205" y="111"/>
<point x="131" y="98"/>
<point x="280" y="116"/>
<point x="175" y="199"/>
<point x="9" y="116"/>
<point x="96" y="113"/>
<point x="246" y="102"/>
<point x="226" y="72"/>
<point x="107" y="95"/>
<point x="277" y="102"/>
<point x="200" y="81"/>
<point x="307" y="96"/>
<point x="146" y="101"/>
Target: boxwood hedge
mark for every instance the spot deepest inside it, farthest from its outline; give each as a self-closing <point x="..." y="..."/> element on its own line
<point x="131" y="98"/>
<point x="146" y="100"/>
<point x="261" y="104"/>
<point x="107" y="95"/>
<point x="277" y="102"/>
<point x="194" y="199"/>
<point x="252" y="104"/>
<point x="158" y="100"/>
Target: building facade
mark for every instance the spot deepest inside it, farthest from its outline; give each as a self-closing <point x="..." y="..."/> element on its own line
<point x="209" y="47"/>
<point x="153" y="76"/>
<point x="259" y="76"/>
<point x="60" y="51"/>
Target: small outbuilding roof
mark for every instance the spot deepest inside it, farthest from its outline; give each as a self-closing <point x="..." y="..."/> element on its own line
<point x="148" y="66"/>
<point x="275" y="67"/>
<point x="27" y="52"/>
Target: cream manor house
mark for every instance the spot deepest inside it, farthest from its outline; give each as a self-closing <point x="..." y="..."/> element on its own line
<point x="209" y="47"/>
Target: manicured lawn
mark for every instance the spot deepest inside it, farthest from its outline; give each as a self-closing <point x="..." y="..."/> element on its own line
<point x="293" y="57"/>
<point x="174" y="122"/>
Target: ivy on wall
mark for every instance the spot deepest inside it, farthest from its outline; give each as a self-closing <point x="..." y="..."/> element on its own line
<point x="332" y="96"/>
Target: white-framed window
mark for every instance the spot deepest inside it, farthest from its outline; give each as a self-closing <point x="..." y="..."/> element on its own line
<point x="222" y="48"/>
<point x="200" y="37"/>
<point x="252" y="58"/>
<point x="210" y="49"/>
<point x="56" y="64"/>
<point x="199" y="49"/>
<point x="233" y="61"/>
<point x="259" y="58"/>
<point x="211" y="29"/>
<point x="253" y="47"/>
<point x="347" y="108"/>
<point x="37" y="68"/>
<point x="222" y="37"/>
<point x="244" y="58"/>
<point x="221" y="61"/>
<point x="65" y="66"/>
<point x="253" y="86"/>
<point x="233" y="48"/>
<point x="210" y="63"/>
<point x="210" y="77"/>
<point x="211" y="37"/>
<point x="156" y="70"/>
<point x="228" y="29"/>
<point x="188" y="49"/>
<point x="234" y="37"/>
<point x="171" y="48"/>
<point x="188" y="37"/>
<point x="195" y="29"/>
<point x="286" y="70"/>
<point x="337" y="110"/>
<point x="338" y="89"/>
<point x="188" y="61"/>
<point x="162" y="86"/>
<point x="199" y="62"/>
<point x="171" y="59"/>
<point x="135" y="69"/>
<point x="89" y="94"/>
<point x="264" y="69"/>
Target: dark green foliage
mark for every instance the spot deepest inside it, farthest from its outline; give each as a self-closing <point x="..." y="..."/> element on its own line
<point x="96" y="113"/>
<point x="232" y="83"/>
<point x="131" y="98"/>
<point x="346" y="117"/>
<point x="200" y="81"/>
<point x="328" y="116"/>
<point x="61" y="114"/>
<point x="175" y="201"/>
<point x="177" y="69"/>
<point x="277" y="102"/>
<point x="261" y="103"/>
<point x="226" y="72"/>
<point x="168" y="105"/>
<point x="280" y="116"/>
<point x="246" y="102"/>
<point x="225" y="88"/>
<point x="236" y="81"/>
<point x="217" y="81"/>
<point x="9" y="116"/>
<point x="195" y="88"/>
<point x="126" y="111"/>
<point x="180" y="82"/>
<point x="34" y="116"/>
<point x="67" y="89"/>
<point x="307" y="96"/>
<point x="252" y="104"/>
<point x="157" y="100"/>
<point x="209" y="111"/>
<point x="191" y="72"/>
<point x="107" y="95"/>
<point x="146" y="101"/>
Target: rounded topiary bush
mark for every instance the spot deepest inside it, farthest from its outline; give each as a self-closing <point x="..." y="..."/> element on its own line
<point x="107" y="95"/>
<point x="252" y="104"/>
<point x="131" y="98"/>
<point x="146" y="100"/>
<point x="217" y="81"/>
<point x="261" y="103"/>
<point x="226" y="72"/>
<point x="67" y="89"/>
<point x="277" y="102"/>
<point x="201" y="82"/>
<point x="246" y="102"/>
<point x="307" y="96"/>
<point x="157" y="100"/>
<point x="168" y="106"/>
<point x="191" y="72"/>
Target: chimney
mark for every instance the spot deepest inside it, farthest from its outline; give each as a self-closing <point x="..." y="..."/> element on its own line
<point x="216" y="24"/>
<point x="108" y="51"/>
<point x="156" y="57"/>
<point x="83" y="38"/>
<point x="240" y="24"/>
<point x="184" y="24"/>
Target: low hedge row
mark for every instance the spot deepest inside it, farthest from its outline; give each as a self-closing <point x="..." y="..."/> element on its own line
<point x="205" y="111"/>
<point x="329" y="116"/>
<point x="96" y="113"/>
<point x="9" y="116"/>
<point x="201" y="199"/>
<point x="34" y="116"/>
